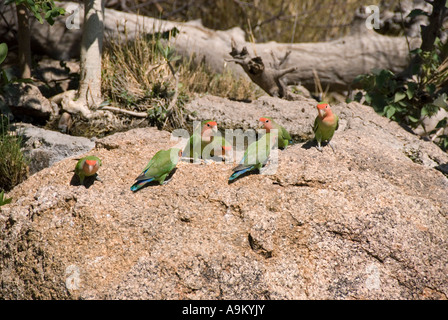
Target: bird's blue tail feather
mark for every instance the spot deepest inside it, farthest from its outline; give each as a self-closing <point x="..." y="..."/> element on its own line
<point x="236" y="174"/>
<point x="137" y="185"/>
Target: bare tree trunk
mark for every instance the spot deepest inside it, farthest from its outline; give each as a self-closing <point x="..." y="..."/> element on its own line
<point x="91" y="49"/>
<point x="24" y="41"/>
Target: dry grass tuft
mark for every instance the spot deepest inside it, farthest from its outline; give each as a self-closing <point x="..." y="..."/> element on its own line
<point x="137" y="76"/>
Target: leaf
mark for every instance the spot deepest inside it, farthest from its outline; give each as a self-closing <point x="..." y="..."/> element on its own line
<point x="441" y="101"/>
<point x="399" y="96"/>
<point x="23" y="80"/>
<point x="4" y="200"/>
<point x="359" y="78"/>
<point x="5" y="78"/>
<point x="368" y="98"/>
<point x="430" y="88"/>
<point x="410" y="91"/>
<point x="417" y="12"/>
<point x="412" y="119"/>
<point x="390" y="111"/>
<point x="3" y="52"/>
<point x="442" y="123"/>
<point x="104" y="103"/>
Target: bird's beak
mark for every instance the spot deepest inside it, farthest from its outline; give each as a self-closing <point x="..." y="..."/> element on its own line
<point x="321" y="112"/>
<point x="215" y="129"/>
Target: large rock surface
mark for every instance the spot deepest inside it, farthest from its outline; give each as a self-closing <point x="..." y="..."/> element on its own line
<point x="366" y="222"/>
<point x="45" y="147"/>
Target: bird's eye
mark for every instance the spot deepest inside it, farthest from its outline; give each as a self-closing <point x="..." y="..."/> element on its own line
<point x="267" y="121"/>
<point x="208" y="125"/>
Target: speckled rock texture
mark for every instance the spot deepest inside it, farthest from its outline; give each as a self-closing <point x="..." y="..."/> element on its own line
<point x="366" y="222"/>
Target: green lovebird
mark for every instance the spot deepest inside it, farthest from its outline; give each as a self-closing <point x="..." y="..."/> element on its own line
<point x="283" y="135"/>
<point x="87" y="167"/>
<point x="256" y="155"/>
<point x="158" y="168"/>
<point x="325" y="125"/>
<point x="197" y="142"/>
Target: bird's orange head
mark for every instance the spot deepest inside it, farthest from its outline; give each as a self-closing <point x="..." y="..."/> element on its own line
<point x="323" y="109"/>
<point x="266" y="123"/>
<point x="210" y="125"/>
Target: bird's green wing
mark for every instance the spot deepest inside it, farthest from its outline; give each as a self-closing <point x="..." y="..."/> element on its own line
<point x="79" y="165"/>
<point x="256" y="153"/>
<point x="286" y="134"/>
<point x="194" y="144"/>
<point x="154" y="166"/>
<point x="316" y="124"/>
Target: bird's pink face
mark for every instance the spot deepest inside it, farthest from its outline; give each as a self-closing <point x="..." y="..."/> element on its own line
<point x="209" y="128"/>
<point x="322" y="109"/>
<point x="91" y="166"/>
<point x="211" y="125"/>
<point x="266" y="123"/>
<point x="226" y="150"/>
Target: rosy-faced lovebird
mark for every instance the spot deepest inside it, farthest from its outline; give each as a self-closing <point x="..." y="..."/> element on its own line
<point x="256" y="155"/>
<point x="158" y="168"/>
<point x="284" y="137"/>
<point x="87" y="167"/>
<point x="197" y="143"/>
<point x="220" y="147"/>
<point x="325" y="125"/>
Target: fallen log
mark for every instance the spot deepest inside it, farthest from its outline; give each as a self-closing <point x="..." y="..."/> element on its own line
<point x="336" y="62"/>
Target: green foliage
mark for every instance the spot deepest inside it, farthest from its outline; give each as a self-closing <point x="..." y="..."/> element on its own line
<point x="5" y="78"/>
<point x="39" y="8"/>
<point x="4" y="200"/>
<point x="412" y="100"/>
<point x="13" y="165"/>
<point x="3" y="75"/>
<point x="3" y="52"/>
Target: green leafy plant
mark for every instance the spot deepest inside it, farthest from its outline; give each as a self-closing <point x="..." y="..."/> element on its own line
<point x="4" y="200"/>
<point x="13" y="164"/>
<point x="41" y="9"/>
<point x="3" y="54"/>
<point x="5" y="77"/>
<point x="412" y="100"/>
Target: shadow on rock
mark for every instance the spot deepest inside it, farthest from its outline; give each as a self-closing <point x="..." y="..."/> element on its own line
<point x="245" y="174"/>
<point x="88" y="181"/>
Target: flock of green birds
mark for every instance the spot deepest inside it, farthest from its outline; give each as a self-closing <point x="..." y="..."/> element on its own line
<point x="255" y="156"/>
